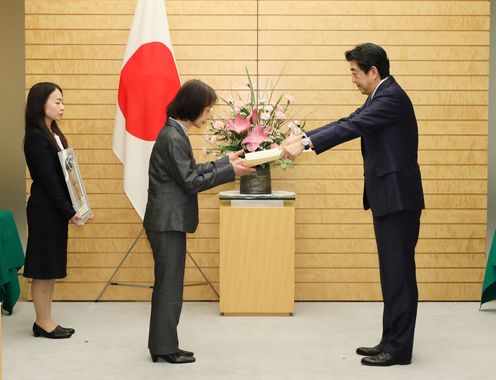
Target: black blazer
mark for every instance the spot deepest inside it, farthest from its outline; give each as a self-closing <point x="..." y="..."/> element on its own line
<point x="48" y="188"/>
<point x="175" y="179"/>
<point x="388" y="130"/>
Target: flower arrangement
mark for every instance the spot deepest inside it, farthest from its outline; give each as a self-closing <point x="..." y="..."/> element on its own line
<point x="253" y="125"/>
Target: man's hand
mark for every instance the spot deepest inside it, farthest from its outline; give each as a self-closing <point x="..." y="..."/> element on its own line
<point x="290" y="140"/>
<point x="292" y="147"/>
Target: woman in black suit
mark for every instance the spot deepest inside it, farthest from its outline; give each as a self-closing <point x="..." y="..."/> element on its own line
<point x="49" y="207"/>
<point x="175" y="180"/>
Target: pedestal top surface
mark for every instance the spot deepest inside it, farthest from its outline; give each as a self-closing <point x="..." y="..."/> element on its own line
<point x="275" y="195"/>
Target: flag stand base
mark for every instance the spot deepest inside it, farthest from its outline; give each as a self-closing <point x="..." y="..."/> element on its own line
<point x="110" y="282"/>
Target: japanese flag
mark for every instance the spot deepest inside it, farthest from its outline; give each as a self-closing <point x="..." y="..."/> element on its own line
<point x="148" y="82"/>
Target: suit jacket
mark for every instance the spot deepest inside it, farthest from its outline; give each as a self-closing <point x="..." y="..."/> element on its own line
<point x="175" y="180"/>
<point x="48" y="188"/>
<point x="388" y="130"/>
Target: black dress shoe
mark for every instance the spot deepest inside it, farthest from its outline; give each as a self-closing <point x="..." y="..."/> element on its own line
<point x="384" y="360"/>
<point x="176" y="358"/>
<point x="56" y="333"/>
<point x="370" y="351"/>
<point x="68" y="329"/>
<point x="186" y="353"/>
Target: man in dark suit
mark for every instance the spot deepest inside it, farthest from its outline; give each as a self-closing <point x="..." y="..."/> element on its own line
<point x="387" y="127"/>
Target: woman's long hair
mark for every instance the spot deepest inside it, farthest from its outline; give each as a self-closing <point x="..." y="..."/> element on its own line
<point x="35" y="113"/>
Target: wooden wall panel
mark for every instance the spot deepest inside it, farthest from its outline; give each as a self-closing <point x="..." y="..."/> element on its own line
<point x="80" y="45"/>
<point x="439" y="53"/>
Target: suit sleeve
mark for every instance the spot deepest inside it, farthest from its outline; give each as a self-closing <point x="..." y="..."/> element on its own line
<point x="383" y="111"/>
<point x="323" y="128"/>
<point x="44" y="168"/>
<point x="186" y="173"/>
<point x="206" y="167"/>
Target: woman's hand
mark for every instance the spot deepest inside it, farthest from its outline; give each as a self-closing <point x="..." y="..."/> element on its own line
<point x="75" y="220"/>
<point x="234" y="157"/>
<point x="237" y="163"/>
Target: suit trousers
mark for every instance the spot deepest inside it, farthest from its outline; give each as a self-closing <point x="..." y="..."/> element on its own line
<point x="169" y="254"/>
<point x="396" y="236"/>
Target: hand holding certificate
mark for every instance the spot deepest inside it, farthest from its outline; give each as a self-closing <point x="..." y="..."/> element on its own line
<point x="261" y="157"/>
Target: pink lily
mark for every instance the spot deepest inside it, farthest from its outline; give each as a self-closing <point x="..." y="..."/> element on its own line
<point x="254" y="116"/>
<point x="256" y="137"/>
<point x="238" y="125"/>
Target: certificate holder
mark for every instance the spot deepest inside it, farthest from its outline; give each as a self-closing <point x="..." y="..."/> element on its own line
<point x="261" y="157"/>
<point x="75" y="185"/>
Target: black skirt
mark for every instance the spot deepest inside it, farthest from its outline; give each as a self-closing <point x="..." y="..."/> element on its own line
<point x="46" y="251"/>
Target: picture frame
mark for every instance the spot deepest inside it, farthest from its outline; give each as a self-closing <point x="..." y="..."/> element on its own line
<point x="75" y="185"/>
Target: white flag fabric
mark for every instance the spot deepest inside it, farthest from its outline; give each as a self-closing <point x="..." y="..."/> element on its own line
<point x="149" y="80"/>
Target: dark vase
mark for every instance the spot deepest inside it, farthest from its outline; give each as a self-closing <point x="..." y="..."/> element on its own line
<point x="256" y="183"/>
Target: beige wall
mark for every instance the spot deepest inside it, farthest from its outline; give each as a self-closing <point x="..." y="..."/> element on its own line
<point x="12" y="163"/>
<point x="439" y="54"/>
<point x="491" y="185"/>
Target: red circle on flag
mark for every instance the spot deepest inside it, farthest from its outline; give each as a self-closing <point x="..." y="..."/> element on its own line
<point x="148" y="82"/>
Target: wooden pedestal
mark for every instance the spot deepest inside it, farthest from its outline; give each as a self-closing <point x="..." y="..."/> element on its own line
<point x="257" y="260"/>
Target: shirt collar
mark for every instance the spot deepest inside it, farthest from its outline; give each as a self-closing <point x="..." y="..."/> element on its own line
<point x="186" y="130"/>
<point x="378" y="87"/>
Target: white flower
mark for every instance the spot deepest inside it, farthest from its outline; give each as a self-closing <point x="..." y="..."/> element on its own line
<point x="295" y="132"/>
<point x="213" y="139"/>
<point x="206" y="137"/>
<point x="280" y="115"/>
<point x="238" y="105"/>
<point x="294" y="128"/>
<point x="265" y="116"/>
<point x="290" y="98"/>
<point x="204" y="152"/>
<point x="218" y="125"/>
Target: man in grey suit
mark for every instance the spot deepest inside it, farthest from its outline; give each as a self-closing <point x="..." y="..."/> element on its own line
<point x="175" y="180"/>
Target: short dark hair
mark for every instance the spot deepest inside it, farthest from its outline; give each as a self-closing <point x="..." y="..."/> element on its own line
<point x="34" y="116"/>
<point x="367" y="55"/>
<point x="191" y="99"/>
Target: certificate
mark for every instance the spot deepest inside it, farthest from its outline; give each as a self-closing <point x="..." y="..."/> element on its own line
<point x="75" y="184"/>
<point x="261" y="157"/>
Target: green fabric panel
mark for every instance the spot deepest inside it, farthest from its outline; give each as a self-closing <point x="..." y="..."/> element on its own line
<point x="11" y="260"/>
<point x="489" y="286"/>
